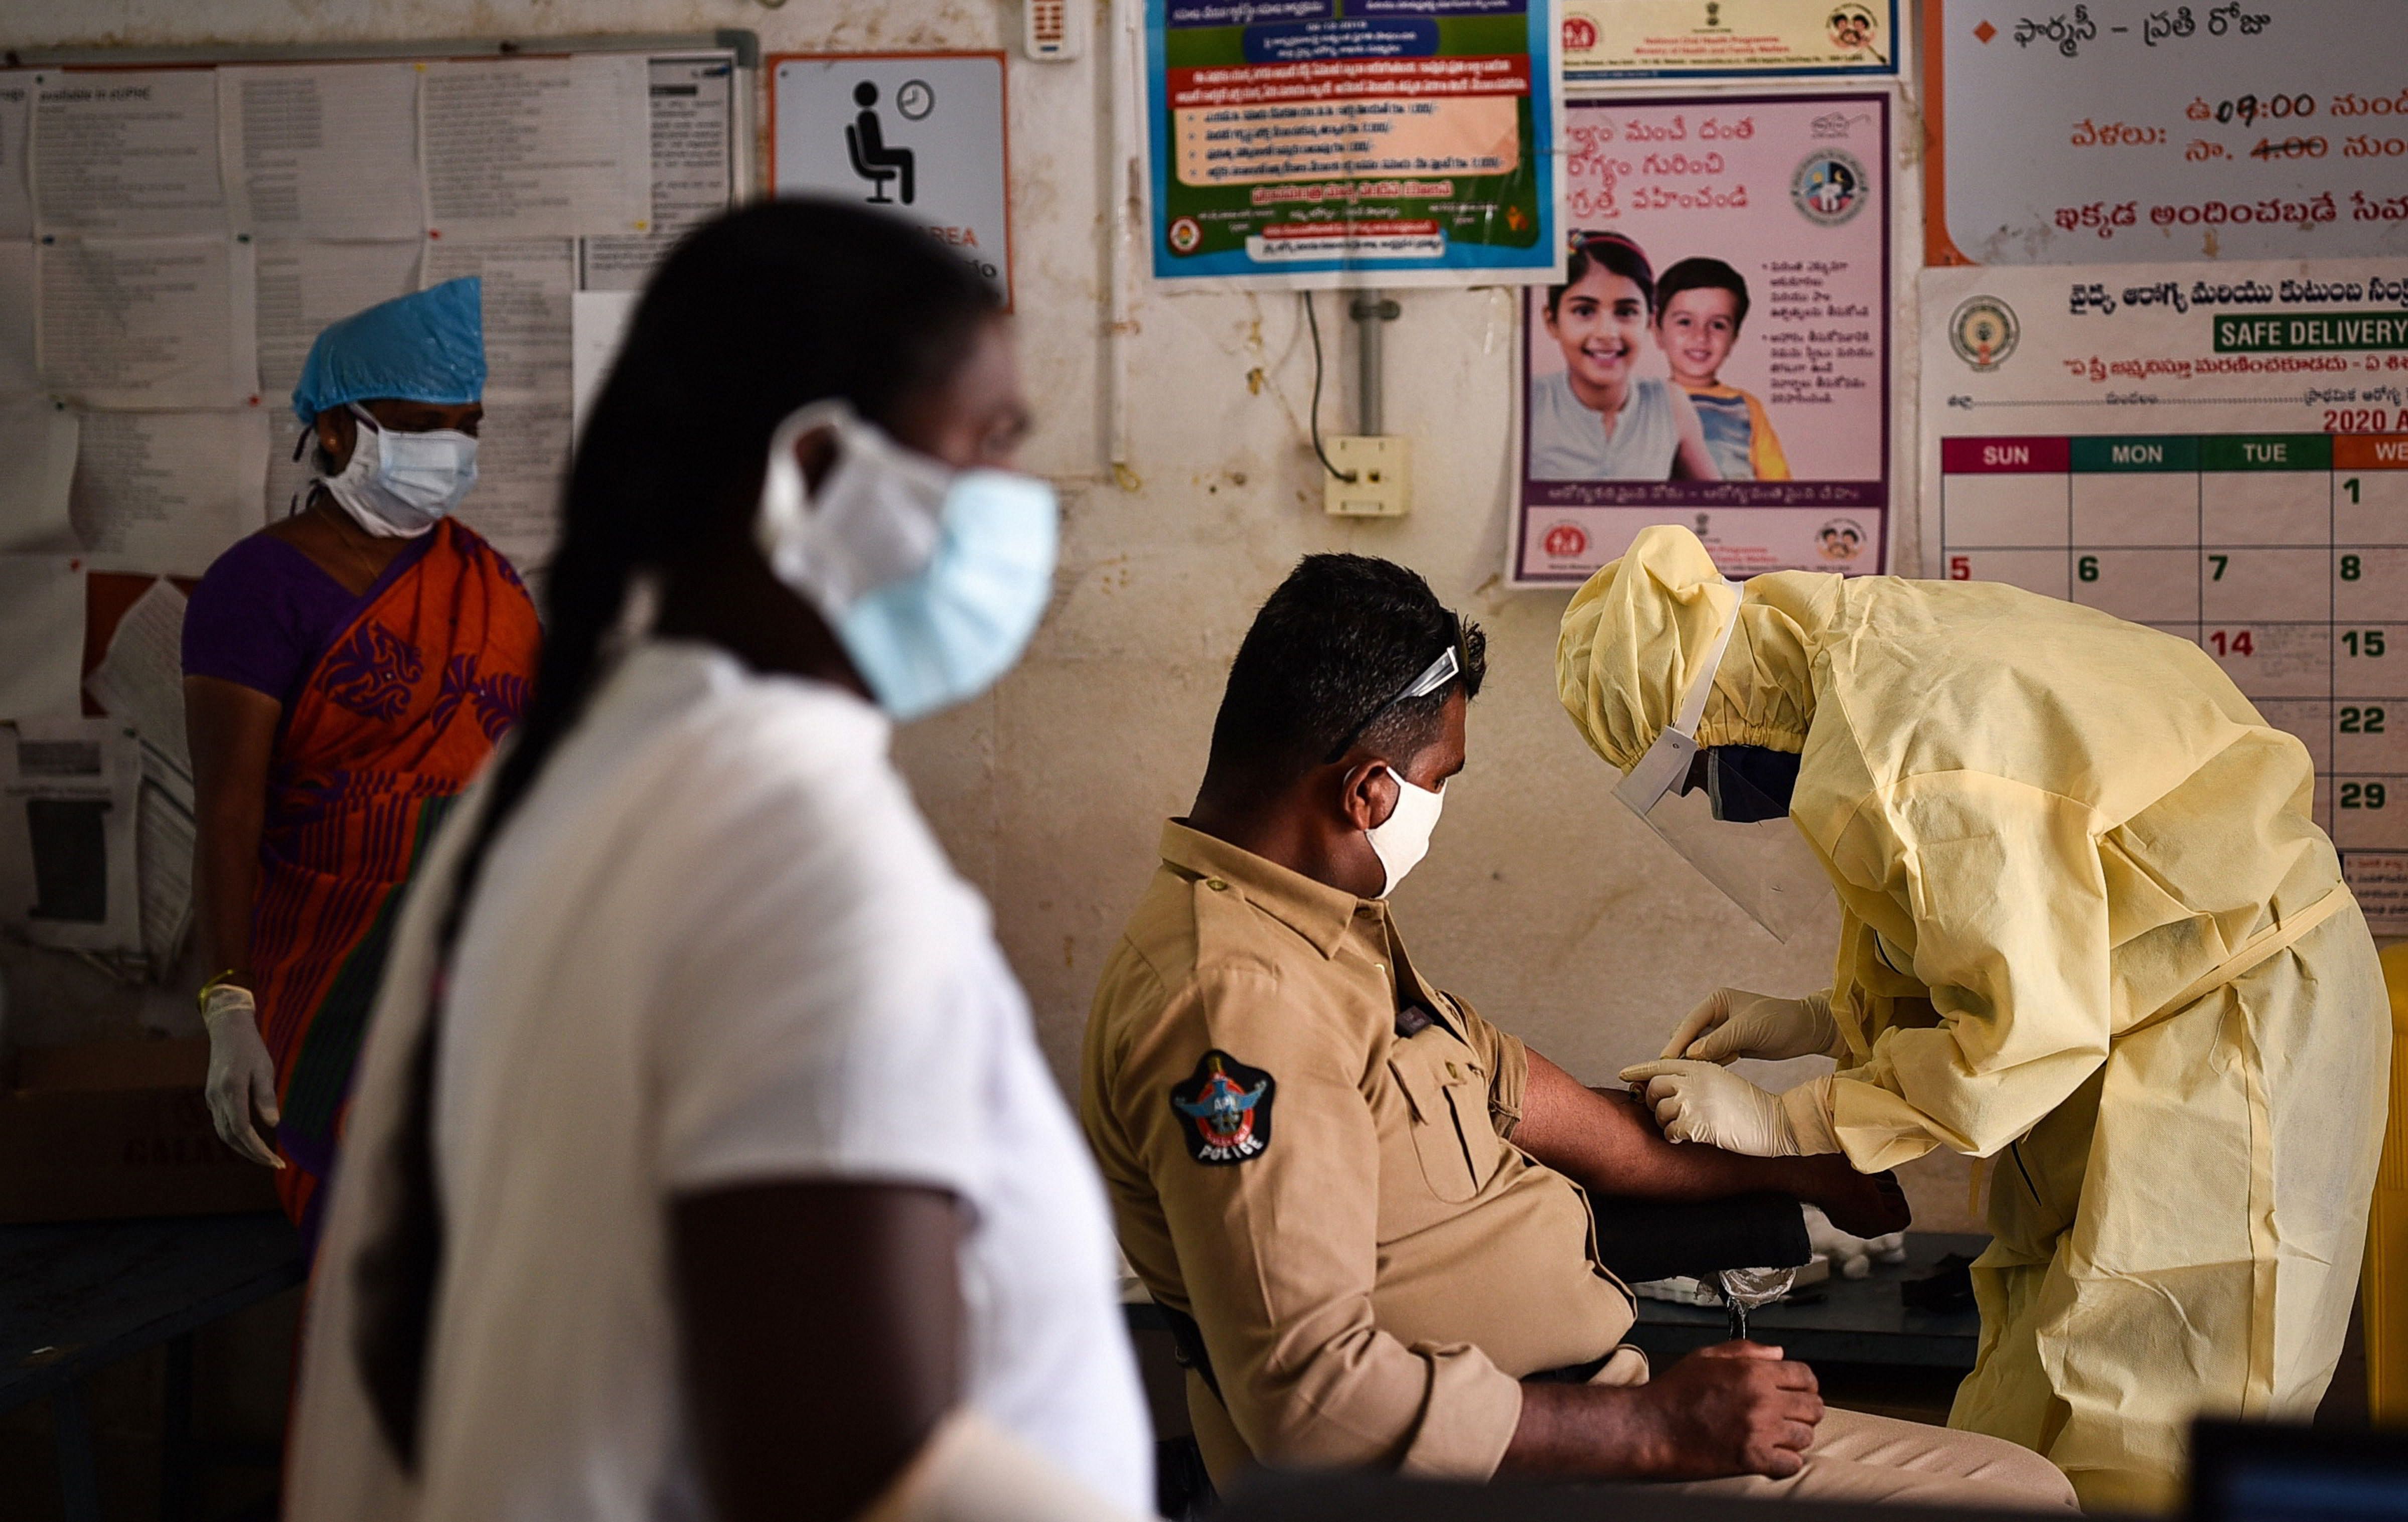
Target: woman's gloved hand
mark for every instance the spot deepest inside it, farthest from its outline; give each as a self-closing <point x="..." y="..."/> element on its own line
<point x="241" y="1077"/>
<point x="1732" y="1023"/>
<point x="1852" y="1257"/>
<point x="1698" y="1101"/>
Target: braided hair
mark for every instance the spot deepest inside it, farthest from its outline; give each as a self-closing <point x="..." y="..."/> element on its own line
<point x="762" y="311"/>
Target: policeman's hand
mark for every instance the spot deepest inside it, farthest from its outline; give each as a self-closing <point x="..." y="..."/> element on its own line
<point x="1736" y="1408"/>
<point x="1867" y="1212"/>
<point x="1698" y="1101"/>
<point x="240" y="1074"/>
<point x="1732" y="1023"/>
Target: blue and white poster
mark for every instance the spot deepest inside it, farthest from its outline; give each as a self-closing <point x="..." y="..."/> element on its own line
<point x="1304" y="143"/>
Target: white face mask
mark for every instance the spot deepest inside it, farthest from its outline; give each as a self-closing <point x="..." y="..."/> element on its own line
<point x="1402" y="839"/>
<point x="933" y="578"/>
<point x="399" y="485"/>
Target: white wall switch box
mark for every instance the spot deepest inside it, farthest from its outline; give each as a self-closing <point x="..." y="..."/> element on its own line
<point x="1383" y="468"/>
<point x="1054" y="31"/>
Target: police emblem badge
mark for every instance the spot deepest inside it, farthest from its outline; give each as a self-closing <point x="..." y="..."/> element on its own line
<point x="1225" y="1108"/>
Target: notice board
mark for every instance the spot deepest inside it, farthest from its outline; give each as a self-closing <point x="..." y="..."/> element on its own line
<point x="173" y="235"/>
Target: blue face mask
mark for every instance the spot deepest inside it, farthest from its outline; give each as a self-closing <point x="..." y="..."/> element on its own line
<point x="932" y="579"/>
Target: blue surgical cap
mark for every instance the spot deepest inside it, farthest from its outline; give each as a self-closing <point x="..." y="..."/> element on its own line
<point x="426" y="347"/>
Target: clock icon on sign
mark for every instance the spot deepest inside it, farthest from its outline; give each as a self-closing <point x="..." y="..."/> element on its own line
<point x="915" y="99"/>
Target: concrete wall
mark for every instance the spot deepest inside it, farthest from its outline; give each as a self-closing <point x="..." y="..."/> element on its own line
<point x="1540" y="903"/>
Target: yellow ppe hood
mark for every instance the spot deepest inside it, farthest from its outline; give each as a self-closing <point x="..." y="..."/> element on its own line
<point x="1638" y="632"/>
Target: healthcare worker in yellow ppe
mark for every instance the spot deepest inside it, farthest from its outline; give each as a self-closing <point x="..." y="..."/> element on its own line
<point x="2088" y="928"/>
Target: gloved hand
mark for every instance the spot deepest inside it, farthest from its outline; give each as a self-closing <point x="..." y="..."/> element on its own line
<point x="240" y="1074"/>
<point x="1852" y="1257"/>
<point x="1698" y="1101"/>
<point x="1732" y="1023"/>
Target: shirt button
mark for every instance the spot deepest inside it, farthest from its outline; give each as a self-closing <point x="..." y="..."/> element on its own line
<point x="1216" y="885"/>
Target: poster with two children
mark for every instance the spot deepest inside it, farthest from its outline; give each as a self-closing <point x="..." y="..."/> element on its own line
<point x="1718" y="353"/>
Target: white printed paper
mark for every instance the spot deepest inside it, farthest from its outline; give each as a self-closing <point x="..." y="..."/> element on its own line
<point x="327" y="151"/>
<point x="305" y="286"/>
<point x="130" y="154"/>
<point x="41" y="637"/>
<point x="38" y="456"/>
<point x="527" y="311"/>
<point x="522" y="460"/>
<point x="286" y="476"/>
<point x="140" y="679"/>
<point x="600" y="324"/>
<point x="21" y="375"/>
<point x="523" y="446"/>
<point x="16" y="182"/>
<point x="69" y="801"/>
<point x="164" y="842"/>
<point x="693" y="170"/>
<point x="165" y="492"/>
<point x="156" y="323"/>
<point x="536" y="147"/>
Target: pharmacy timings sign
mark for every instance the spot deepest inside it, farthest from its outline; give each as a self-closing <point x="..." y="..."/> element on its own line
<point x="1352" y="142"/>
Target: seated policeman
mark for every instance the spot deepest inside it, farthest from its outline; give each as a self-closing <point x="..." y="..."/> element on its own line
<point x="1369" y="1199"/>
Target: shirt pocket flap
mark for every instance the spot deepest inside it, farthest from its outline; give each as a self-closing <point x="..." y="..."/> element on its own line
<point x="1438" y="1100"/>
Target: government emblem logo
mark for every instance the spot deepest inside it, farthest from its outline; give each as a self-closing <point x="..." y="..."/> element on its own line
<point x="1983" y="330"/>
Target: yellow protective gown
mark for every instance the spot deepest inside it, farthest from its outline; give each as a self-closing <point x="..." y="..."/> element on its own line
<point x="2067" y="851"/>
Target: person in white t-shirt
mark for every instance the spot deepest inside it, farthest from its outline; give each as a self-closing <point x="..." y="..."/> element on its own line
<point x="703" y="1161"/>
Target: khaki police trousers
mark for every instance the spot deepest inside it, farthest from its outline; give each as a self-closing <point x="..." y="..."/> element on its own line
<point x="1866" y="1459"/>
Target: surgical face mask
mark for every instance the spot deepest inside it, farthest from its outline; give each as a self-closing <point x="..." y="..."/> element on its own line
<point x="1750" y="783"/>
<point x="1402" y="839"/>
<point x="399" y="485"/>
<point x="933" y="578"/>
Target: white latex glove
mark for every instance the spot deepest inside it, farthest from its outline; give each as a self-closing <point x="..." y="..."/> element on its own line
<point x="1852" y="1257"/>
<point x="240" y="1074"/>
<point x="1698" y="1101"/>
<point x="1732" y="1023"/>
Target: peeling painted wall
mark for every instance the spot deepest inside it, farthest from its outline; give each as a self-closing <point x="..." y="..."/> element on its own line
<point x="1541" y="902"/>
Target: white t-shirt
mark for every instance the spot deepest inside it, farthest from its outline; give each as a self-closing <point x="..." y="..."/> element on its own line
<point x="716" y="943"/>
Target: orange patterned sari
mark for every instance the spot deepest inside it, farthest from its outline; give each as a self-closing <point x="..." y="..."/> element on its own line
<point x="399" y="713"/>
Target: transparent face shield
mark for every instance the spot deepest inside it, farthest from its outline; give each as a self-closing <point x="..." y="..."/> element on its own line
<point x="1764" y="866"/>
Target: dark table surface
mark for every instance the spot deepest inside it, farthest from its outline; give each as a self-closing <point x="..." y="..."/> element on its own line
<point x="75" y="1297"/>
<point x="1839" y="1320"/>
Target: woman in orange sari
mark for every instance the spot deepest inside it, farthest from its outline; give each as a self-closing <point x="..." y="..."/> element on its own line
<point x="346" y="670"/>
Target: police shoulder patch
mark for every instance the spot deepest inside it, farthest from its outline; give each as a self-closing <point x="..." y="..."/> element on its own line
<point x="1225" y="1108"/>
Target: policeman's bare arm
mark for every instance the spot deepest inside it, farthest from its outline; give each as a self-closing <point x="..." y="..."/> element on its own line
<point x="1608" y="1145"/>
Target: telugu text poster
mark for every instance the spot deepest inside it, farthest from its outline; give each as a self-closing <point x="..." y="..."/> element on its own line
<point x="1719" y="355"/>
<point x="2219" y="452"/>
<point x="2125" y="130"/>
<point x="1331" y="142"/>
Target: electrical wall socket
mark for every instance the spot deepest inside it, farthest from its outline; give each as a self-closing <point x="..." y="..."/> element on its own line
<point x="1383" y="468"/>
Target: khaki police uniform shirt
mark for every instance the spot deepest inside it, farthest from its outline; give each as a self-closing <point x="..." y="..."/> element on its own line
<point x="1372" y="1264"/>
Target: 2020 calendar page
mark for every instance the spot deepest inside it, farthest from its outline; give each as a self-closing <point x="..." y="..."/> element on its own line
<point x="2217" y="450"/>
